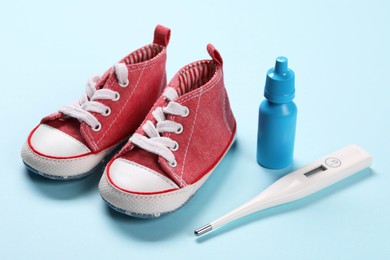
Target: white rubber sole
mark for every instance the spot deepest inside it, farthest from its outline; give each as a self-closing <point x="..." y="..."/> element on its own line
<point x="150" y="205"/>
<point x="65" y="169"/>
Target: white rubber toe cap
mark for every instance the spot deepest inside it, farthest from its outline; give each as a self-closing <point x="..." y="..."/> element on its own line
<point x="50" y="141"/>
<point x="133" y="177"/>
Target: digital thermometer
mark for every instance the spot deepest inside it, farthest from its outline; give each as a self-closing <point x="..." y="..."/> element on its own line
<point x="301" y="183"/>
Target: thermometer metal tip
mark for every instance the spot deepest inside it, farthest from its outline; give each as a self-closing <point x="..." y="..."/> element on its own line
<point x="203" y="230"/>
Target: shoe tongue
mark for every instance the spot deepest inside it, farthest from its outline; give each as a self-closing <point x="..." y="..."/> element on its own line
<point x="103" y="79"/>
<point x="175" y="84"/>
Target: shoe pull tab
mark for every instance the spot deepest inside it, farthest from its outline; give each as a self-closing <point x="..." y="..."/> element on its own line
<point x="162" y="35"/>
<point x="214" y="54"/>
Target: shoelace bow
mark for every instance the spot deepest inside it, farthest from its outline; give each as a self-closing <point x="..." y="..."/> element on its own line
<point x="88" y="103"/>
<point x="154" y="142"/>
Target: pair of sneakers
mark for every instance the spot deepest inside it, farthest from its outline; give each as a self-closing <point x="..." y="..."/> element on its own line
<point x="178" y="132"/>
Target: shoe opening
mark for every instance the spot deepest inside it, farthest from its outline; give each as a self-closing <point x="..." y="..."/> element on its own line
<point x="196" y="75"/>
<point x="143" y="54"/>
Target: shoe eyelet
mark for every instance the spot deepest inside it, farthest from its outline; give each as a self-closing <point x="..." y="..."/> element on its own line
<point x="124" y="85"/>
<point x="180" y="130"/>
<point x="175" y="147"/>
<point x="187" y="112"/>
<point x="97" y="127"/>
<point x="173" y="164"/>
<point x="107" y="112"/>
<point x="117" y="96"/>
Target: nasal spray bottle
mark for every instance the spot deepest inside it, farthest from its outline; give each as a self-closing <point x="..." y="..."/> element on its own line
<point x="277" y="118"/>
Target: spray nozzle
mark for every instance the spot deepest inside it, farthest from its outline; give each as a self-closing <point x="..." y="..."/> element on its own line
<point x="279" y="84"/>
<point x="281" y="65"/>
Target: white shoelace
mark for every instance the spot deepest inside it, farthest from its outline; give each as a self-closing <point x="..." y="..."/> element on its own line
<point x="154" y="142"/>
<point x="89" y="102"/>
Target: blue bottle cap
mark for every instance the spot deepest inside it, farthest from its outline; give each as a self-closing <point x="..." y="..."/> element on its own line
<point x="280" y="82"/>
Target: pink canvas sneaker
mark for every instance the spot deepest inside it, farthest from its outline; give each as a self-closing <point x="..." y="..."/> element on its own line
<point x="182" y="139"/>
<point x="75" y="141"/>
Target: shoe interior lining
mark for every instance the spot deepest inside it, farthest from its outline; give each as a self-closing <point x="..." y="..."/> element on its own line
<point x="143" y="54"/>
<point x="196" y="75"/>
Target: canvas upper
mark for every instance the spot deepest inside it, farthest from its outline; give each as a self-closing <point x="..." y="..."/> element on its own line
<point x="203" y="135"/>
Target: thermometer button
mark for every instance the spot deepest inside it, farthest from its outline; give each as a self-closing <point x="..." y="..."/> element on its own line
<point x="333" y="162"/>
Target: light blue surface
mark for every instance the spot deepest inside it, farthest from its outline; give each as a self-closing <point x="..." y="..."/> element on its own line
<point x="340" y="54"/>
<point x="277" y="118"/>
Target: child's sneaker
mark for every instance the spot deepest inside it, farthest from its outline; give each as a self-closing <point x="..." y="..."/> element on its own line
<point x="183" y="138"/>
<point x="75" y="141"/>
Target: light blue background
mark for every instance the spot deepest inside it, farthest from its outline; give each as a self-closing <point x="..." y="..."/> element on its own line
<point x="339" y="51"/>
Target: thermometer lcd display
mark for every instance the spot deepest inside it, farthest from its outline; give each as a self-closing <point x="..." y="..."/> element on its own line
<point x="315" y="171"/>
